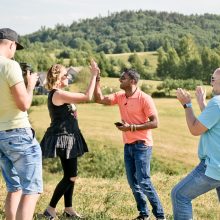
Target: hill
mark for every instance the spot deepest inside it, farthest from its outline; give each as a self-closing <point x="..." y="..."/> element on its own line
<point x="130" y="31"/>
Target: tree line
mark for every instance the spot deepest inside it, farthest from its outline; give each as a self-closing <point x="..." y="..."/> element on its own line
<point x="131" y="31"/>
<point x="187" y="46"/>
<point x="187" y="61"/>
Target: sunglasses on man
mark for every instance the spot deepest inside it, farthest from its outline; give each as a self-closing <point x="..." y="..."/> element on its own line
<point x="213" y="79"/>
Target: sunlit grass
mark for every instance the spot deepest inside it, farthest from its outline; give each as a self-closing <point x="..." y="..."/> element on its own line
<point x="112" y="199"/>
<point x="175" y="149"/>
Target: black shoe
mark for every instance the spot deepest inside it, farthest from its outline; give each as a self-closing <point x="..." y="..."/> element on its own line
<point x="48" y="215"/>
<point x="142" y="217"/>
<point x="74" y="216"/>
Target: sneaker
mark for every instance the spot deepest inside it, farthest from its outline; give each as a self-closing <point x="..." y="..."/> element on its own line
<point x="142" y="217"/>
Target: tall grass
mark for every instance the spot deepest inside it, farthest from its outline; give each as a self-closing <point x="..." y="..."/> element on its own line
<point x="102" y="191"/>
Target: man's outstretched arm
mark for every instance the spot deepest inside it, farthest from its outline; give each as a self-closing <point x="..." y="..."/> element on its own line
<point x="98" y="96"/>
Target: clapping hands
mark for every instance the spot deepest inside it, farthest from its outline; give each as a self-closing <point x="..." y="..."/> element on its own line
<point x="183" y="96"/>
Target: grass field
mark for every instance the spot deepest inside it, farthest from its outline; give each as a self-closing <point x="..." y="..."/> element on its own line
<point x="174" y="148"/>
<point x="150" y="56"/>
<point x="97" y="195"/>
<point x="103" y="198"/>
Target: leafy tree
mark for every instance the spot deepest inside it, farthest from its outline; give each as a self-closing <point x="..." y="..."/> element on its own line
<point x="162" y="69"/>
<point x="135" y="44"/>
<point x="104" y="64"/>
<point x="107" y="47"/>
<point x="137" y="64"/>
<point x="122" y="48"/>
<point x="81" y="44"/>
<point x="210" y="61"/>
<point x="189" y="61"/>
<point x="172" y="63"/>
<point x="171" y="84"/>
<point x="146" y="62"/>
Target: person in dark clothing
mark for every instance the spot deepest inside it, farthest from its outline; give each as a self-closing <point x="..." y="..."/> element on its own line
<point x="63" y="138"/>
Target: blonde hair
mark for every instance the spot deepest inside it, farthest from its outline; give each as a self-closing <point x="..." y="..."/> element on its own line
<point x="53" y="76"/>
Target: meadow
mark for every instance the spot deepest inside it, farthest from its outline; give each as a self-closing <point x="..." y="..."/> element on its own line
<point x="101" y="191"/>
<point x="150" y="56"/>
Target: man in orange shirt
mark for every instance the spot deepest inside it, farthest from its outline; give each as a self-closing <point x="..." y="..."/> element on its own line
<point x="138" y="116"/>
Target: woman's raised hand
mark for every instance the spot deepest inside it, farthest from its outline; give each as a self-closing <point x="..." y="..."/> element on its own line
<point x="94" y="68"/>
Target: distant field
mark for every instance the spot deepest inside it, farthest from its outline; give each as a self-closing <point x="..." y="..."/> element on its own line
<point x="150" y="56"/>
<point x="114" y="82"/>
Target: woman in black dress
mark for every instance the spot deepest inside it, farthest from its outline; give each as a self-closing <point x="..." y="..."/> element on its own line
<point x="63" y="138"/>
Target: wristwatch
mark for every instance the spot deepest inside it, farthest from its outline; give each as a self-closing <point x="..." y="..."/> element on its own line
<point x="187" y="105"/>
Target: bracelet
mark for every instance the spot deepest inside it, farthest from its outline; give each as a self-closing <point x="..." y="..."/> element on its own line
<point x="97" y="78"/>
<point x="133" y="127"/>
<point x="187" y="105"/>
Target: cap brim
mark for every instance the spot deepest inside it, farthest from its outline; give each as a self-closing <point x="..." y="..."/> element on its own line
<point x="19" y="46"/>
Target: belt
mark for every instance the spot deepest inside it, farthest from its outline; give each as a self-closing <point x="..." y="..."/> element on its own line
<point x="9" y="130"/>
<point x="137" y="142"/>
<point x="14" y="129"/>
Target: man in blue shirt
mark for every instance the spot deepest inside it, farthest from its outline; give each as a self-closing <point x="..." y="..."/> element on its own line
<point x="206" y="176"/>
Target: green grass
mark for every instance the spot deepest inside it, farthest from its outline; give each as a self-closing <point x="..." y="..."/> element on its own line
<point x="102" y="191"/>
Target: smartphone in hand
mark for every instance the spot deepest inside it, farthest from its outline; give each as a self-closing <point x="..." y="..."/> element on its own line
<point x="118" y="124"/>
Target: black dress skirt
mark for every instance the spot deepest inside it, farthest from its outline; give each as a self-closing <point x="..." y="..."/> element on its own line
<point x="63" y="138"/>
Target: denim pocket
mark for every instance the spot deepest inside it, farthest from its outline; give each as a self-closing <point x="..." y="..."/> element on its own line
<point x="143" y="147"/>
<point x="202" y="166"/>
<point x="33" y="132"/>
<point x="27" y="134"/>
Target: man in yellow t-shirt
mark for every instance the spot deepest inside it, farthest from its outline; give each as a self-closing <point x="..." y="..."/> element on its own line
<point x="20" y="154"/>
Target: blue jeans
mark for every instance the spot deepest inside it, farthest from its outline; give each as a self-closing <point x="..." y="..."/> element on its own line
<point x="193" y="185"/>
<point x="137" y="164"/>
<point x="21" y="161"/>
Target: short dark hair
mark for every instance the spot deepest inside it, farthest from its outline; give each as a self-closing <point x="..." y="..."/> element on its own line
<point x="133" y="74"/>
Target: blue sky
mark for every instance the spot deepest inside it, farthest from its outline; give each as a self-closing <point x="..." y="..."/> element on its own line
<point x="27" y="16"/>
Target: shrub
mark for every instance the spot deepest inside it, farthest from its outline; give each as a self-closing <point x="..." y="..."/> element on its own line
<point x="107" y="162"/>
<point x="104" y="163"/>
<point x="39" y="100"/>
<point x="108" y="90"/>
<point x="146" y="88"/>
<point x="171" y="84"/>
<point x="158" y="94"/>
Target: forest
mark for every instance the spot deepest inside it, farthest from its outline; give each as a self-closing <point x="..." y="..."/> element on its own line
<point x="187" y="46"/>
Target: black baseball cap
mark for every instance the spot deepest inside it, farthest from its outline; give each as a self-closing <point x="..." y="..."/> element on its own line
<point x="9" y="34"/>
